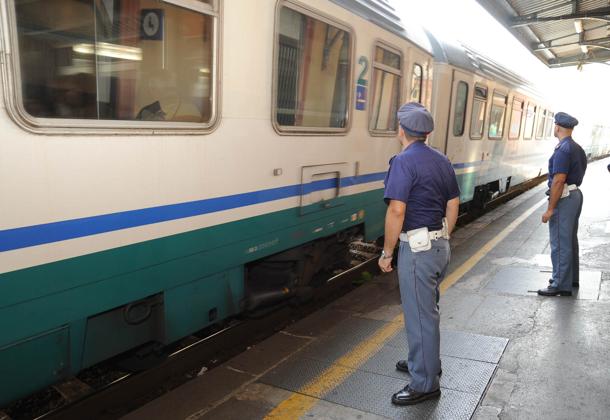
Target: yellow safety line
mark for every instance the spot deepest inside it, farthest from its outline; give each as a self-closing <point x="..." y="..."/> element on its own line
<point x="302" y="401"/>
<point x="299" y="403"/>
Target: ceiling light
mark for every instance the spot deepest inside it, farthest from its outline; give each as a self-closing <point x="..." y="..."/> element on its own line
<point x="105" y="49"/>
<point x="578" y="26"/>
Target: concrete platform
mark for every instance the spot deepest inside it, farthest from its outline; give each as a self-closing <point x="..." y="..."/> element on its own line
<point x="506" y="352"/>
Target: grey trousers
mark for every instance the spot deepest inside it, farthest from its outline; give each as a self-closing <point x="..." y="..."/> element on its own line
<point x="419" y="276"/>
<point x="563" y="230"/>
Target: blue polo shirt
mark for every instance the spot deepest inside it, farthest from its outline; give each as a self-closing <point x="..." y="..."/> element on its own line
<point x="424" y="179"/>
<point x="569" y="158"/>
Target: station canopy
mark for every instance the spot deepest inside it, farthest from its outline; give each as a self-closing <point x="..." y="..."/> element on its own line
<point x="558" y="32"/>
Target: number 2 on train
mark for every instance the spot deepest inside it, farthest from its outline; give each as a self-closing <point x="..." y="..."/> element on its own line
<point x="361" y="87"/>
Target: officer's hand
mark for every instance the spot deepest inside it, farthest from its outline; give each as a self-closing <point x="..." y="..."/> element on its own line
<point x="385" y="264"/>
<point x="547" y="215"/>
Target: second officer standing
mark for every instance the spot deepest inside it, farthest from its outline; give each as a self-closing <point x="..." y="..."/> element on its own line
<point x="423" y="201"/>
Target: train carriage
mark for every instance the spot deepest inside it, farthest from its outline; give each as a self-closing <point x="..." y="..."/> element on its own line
<point x="491" y="123"/>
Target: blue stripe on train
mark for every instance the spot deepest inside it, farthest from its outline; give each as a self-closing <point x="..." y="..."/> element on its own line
<point x="24" y="237"/>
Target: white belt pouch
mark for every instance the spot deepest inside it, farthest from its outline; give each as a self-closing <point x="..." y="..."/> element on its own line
<point x="419" y="239"/>
<point x="566" y="190"/>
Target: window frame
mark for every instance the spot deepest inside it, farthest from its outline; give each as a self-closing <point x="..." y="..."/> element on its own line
<point x="548" y="130"/>
<point x="499" y="92"/>
<point x="512" y="112"/>
<point x="533" y="131"/>
<point x="460" y="82"/>
<point x="13" y="91"/>
<point x="539" y="116"/>
<point x="284" y="130"/>
<point x="371" y="97"/>
<point x="475" y="98"/>
<point x="421" y="81"/>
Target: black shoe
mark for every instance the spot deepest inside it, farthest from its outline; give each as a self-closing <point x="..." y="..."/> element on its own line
<point x="409" y="397"/>
<point x="553" y="291"/>
<point x="403" y="366"/>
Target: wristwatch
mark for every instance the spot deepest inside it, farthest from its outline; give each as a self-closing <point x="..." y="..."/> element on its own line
<point x="385" y="256"/>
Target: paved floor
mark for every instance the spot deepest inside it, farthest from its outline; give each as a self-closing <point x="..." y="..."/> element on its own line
<point x="506" y="352"/>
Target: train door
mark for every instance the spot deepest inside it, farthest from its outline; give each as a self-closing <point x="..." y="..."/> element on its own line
<point x="457" y="139"/>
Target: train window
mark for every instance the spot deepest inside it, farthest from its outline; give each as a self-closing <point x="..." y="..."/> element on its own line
<point x="541" y="121"/>
<point x="386" y="90"/>
<point x="479" y="107"/>
<point x="117" y="60"/>
<point x="416" y="83"/>
<point x="549" y="124"/>
<point x="496" y="116"/>
<point x="313" y="73"/>
<point x="515" y="120"/>
<point x="459" y="116"/>
<point x="530" y="115"/>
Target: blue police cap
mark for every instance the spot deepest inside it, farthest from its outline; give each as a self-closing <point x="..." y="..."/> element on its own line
<point x="565" y="120"/>
<point x="415" y="120"/>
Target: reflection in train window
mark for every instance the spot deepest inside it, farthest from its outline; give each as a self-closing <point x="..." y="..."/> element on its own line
<point x="528" y="132"/>
<point x="541" y="120"/>
<point x="549" y="124"/>
<point x="496" y="116"/>
<point x="479" y="106"/>
<point x="459" y="117"/>
<point x="515" y="120"/>
<point x="416" y="83"/>
<point x="313" y="72"/>
<point x="386" y="91"/>
<point x="115" y="60"/>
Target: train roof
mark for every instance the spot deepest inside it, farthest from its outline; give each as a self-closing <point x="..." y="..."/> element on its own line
<point x="383" y="14"/>
<point x="465" y="58"/>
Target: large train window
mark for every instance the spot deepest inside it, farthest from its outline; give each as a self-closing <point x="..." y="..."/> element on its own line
<point x="541" y="121"/>
<point x="528" y="131"/>
<point x="479" y="107"/>
<point x="515" y="119"/>
<point x="386" y="90"/>
<point x="549" y="124"/>
<point x="416" y="83"/>
<point x="143" y="61"/>
<point x="496" y="116"/>
<point x="313" y="68"/>
<point x="459" y="115"/>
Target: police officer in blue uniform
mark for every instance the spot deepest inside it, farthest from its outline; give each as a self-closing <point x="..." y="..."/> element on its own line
<point x="423" y="200"/>
<point x="567" y="168"/>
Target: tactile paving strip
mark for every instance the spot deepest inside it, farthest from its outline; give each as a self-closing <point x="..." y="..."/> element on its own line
<point x="343" y="338"/>
<point x="463" y="345"/>
<point x="469" y="361"/>
<point x="472" y="346"/>
<point x="294" y="374"/>
<point x="371" y="392"/>
<point x="463" y="375"/>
